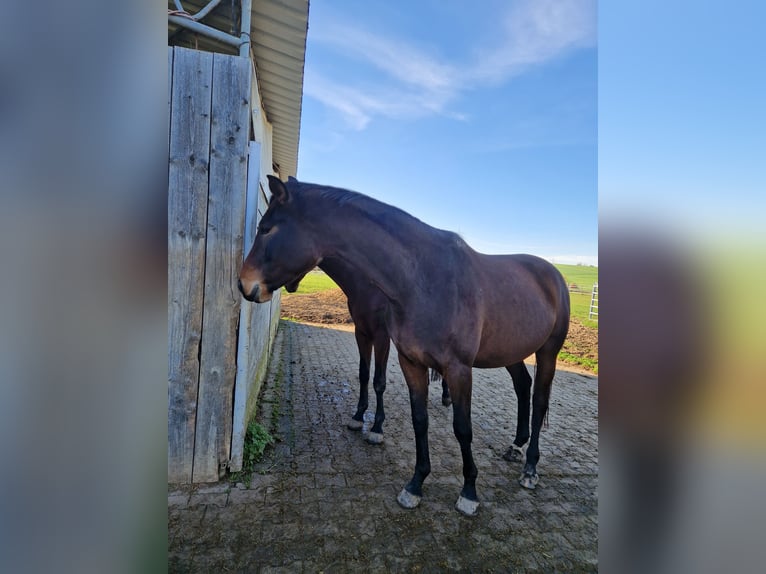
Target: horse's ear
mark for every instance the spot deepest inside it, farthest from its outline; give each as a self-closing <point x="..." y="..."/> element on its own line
<point x="278" y="189"/>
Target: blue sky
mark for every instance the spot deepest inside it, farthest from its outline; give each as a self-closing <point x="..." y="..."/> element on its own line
<point x="682" y="116"/>
<point x="480" y="118"/>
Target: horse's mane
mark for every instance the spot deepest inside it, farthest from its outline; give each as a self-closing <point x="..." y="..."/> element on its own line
<point x="363" y="203"/>
<point x="387" y="215"/>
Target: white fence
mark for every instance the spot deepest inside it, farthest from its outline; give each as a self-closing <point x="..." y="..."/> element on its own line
<point x="593" y="311"/>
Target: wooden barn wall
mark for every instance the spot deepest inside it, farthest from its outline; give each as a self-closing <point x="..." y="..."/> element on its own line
<point x="257" y="322"/>
<point x="210" y="109"/>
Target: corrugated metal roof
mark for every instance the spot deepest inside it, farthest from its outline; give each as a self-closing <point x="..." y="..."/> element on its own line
<point x="278" y="43"/>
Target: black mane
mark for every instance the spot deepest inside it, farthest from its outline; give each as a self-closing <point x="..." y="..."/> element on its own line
<point x="390" y="217"/>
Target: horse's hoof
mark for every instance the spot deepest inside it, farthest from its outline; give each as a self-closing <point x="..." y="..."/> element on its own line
<point x="354" y="424"/>
<point x="467" y="507"/>
<point x="446" y="401"/>
<point x="375" y="437"/>
<point x="529" y="481"/>
<point x="407" y="499"/>
<point x="514" y="454"/>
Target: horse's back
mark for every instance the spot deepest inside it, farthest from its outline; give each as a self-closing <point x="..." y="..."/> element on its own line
<point x="528" y="273"/>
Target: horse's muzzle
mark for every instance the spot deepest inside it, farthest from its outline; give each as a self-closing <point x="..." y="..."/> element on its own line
<point x="256" y="294"/>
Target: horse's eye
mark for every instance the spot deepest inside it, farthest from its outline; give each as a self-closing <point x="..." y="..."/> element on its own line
<point x="264" y="229"/>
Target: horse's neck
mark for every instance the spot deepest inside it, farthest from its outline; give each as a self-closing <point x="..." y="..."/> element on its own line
<point x="342" y="273"/>
<point x="366" y="248"/>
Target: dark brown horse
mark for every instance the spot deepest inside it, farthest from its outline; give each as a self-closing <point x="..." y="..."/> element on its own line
<point x="450" y="308"/>
<point x="368" y="307"/>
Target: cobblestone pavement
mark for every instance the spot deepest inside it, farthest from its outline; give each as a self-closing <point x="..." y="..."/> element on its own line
<point x="325" y="500"/>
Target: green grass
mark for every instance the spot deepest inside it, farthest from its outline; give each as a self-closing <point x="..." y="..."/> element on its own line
<point x="581" y="275"/>
<point x="590" y="364"/>
<point x="584" y="277"/>
<point x="580" y="307"/>
<point x="316" y="281"/>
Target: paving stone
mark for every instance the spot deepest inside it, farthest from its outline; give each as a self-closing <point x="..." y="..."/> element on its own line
<point x="178" y="499"/>
<point x="325" y="500"/>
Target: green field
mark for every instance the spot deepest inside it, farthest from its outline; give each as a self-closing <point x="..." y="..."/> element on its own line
<point x="580" y="307"/>
<point x="584" y="277"/>
<point x="316" y="281"/>
<point x="581" y="275"/>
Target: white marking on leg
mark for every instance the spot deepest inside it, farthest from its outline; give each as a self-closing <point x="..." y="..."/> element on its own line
<point x="375" y="437"/>
<point x="354" y="424"/>
<point x="467" y="507"/>
<point x="529" y="481"/>
<point x="408" y="500"/>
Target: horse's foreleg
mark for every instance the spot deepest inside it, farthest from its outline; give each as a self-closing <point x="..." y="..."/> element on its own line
<point x="382" y="346"/>
<point x="522" y="384"/>
<point x="417" y="383"/>
<point x="460" y="383"/>
<point x="364" y="344"/>
<point x="546" y="367"/>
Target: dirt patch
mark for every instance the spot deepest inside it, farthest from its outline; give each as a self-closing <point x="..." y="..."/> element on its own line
<point x="324" y="307"/>
<point x="581" y="341"/>
<point x="330" y="308"/>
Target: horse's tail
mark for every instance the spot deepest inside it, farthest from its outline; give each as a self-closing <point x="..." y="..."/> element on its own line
<point x="548" y="400"/>
<point x="435" y="375"/>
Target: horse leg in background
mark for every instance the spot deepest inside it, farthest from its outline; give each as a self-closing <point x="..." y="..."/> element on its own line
<point x="460" y="381"/>
<point x="435" y="376"/>
<point x="417" y="383"/>
<point x="446" y="399"/>
<point x="546" y="368"/>
<point x="382" y="345"/>
<point x="522" y="384"/>
<point x="364" y="344"/>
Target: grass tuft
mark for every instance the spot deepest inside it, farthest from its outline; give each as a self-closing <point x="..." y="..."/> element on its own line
<point x="257" y="438"/>
<point x="590" y="364"/>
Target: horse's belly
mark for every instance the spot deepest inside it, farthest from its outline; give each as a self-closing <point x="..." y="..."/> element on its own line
<point x="500" y="348"/>
<point x="492" y="360"/>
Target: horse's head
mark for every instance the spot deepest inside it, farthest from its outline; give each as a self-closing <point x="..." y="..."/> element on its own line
<point x="283" y="250"/>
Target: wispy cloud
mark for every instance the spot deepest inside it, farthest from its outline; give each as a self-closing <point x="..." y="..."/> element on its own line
<point x="535" y="32"/>
<point x="416" y="83"/>
<point x="358" y="106"/>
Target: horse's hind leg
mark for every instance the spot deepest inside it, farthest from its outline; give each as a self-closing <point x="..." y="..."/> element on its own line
<point x="382" y="346"/>
<point x="522" y="384"/>
<point x="364" y="344"/>
<point x="546" y="368"/>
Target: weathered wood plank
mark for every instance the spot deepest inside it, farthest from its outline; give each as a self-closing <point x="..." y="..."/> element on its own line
<point x="245" y="381"/>
<point x="225" y="229"/>
<point x="170" y="91"/>
<point x="187" y="219"/>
